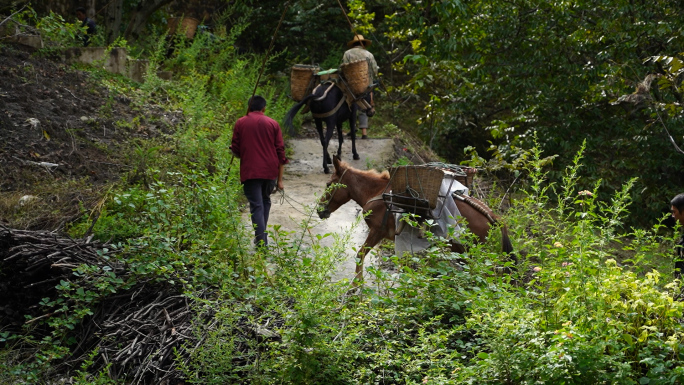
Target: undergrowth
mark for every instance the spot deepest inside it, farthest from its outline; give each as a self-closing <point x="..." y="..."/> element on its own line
<point x="589" y="301"/>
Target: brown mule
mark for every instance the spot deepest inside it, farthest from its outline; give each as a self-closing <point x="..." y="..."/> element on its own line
<point x="366" y="189"/>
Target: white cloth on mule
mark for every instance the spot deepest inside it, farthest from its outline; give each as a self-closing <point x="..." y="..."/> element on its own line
<point x="411" y="240"/>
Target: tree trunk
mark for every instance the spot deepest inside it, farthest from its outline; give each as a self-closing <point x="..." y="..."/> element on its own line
<point x="142" y="12"/>
<point x="112" y="20"/>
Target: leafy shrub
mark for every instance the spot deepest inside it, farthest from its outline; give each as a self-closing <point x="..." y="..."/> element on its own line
<point x="578" y="315"/>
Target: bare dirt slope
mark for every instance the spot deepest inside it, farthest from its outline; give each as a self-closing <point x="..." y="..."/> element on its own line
<point x="305" y="182"/>
<point x="61" y="136"/>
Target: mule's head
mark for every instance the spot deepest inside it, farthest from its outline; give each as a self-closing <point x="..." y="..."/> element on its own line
<point x="336" y="192"/>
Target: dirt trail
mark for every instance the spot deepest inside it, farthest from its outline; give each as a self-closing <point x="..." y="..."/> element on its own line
<point x="305" y="181"/>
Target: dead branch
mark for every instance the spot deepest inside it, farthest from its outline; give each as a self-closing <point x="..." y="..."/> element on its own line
<point x="135" y="332"/>
<point x="10" y="16"/>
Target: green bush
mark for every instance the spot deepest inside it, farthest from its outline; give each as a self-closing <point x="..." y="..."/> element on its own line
<point x="578" y="316"/>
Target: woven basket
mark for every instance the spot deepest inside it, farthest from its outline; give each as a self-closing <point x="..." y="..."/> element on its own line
<point x="302" y="80"/>
<point x="357" y="75"/>
<point x="466" y="180"/>
<point x="462" y="174"/>
<point x="417" y="182"/>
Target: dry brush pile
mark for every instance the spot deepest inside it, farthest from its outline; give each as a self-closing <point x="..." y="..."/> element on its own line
<point x="138" y="327"/>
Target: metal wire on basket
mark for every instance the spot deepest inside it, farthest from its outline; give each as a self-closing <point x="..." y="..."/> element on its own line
<point x="456" y="169"/>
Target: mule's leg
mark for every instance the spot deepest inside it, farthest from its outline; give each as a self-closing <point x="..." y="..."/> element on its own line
<point x="374" y="236"/>
<point x="329" y="130"/>
<point x="324" y="144"/>
<point x="340" y="138"/>
<point x="352" y="127"/>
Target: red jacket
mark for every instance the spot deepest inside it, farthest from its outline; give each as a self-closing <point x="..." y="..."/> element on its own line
<point x="258" y="142"/>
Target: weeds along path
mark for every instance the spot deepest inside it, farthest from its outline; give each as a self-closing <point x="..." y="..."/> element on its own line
<point x="305" y="182"/>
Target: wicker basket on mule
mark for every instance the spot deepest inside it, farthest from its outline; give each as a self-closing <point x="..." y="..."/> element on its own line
<point x="357" y="76"/>
<point x="462" y="174"/>
<point x="302" y="80"/>
<point x="416" y="189"/>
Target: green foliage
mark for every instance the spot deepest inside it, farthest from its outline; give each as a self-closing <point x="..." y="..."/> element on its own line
<point x="177" y="218"/>
<point x="571" y="313"/>
<point x="591" y="301"/>
<point x="403" y="161"/>
<point x="489" y="75"/>
<point x="311" y="33"/>
<point x="55" y="31"/>
<point x="289" y="303"/>
<point x="102" y="378"/>
<point x="579" y="316"/>
<point x="362" y="18"/>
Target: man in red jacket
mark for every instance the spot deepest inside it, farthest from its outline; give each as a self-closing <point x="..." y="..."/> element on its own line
<point x="258" y="143"/>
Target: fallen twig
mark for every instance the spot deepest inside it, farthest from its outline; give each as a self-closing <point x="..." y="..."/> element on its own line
<point x="72" y="94"/>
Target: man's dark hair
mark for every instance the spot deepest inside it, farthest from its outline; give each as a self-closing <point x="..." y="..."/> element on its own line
<point x="678" y="202"/>
<point x="257" y="103"/>
<point x="81" y="9"/>
<point x="358" y="43"/>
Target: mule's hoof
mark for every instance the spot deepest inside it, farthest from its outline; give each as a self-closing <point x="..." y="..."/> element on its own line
<point x="356" y="157"/>
<point x="326" y="171"/>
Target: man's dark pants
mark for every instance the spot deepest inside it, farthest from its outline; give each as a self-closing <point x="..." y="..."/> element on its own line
<point x="258" y="193"/>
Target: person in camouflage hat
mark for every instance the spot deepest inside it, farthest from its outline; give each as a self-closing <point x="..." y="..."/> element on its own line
<point x="357" y="51"/>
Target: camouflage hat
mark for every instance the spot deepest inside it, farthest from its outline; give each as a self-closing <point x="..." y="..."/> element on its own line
<point x="360" y="38"/>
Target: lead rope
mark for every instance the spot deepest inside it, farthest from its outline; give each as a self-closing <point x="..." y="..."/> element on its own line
<point x="286" y="198"/>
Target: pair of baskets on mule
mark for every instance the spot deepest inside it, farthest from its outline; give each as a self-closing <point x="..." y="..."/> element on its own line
<point x="356" y="76"/>
<point x="421" y="190"/>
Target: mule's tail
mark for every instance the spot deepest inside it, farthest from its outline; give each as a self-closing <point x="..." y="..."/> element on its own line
<point x="508" y="247"/>
<point x="293" y="111"/>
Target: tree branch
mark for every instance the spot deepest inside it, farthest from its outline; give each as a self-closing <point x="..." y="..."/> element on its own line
<point x="10" y="16"/>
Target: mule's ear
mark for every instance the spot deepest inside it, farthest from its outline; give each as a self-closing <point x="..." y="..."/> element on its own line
<point x="336" y="163"/>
